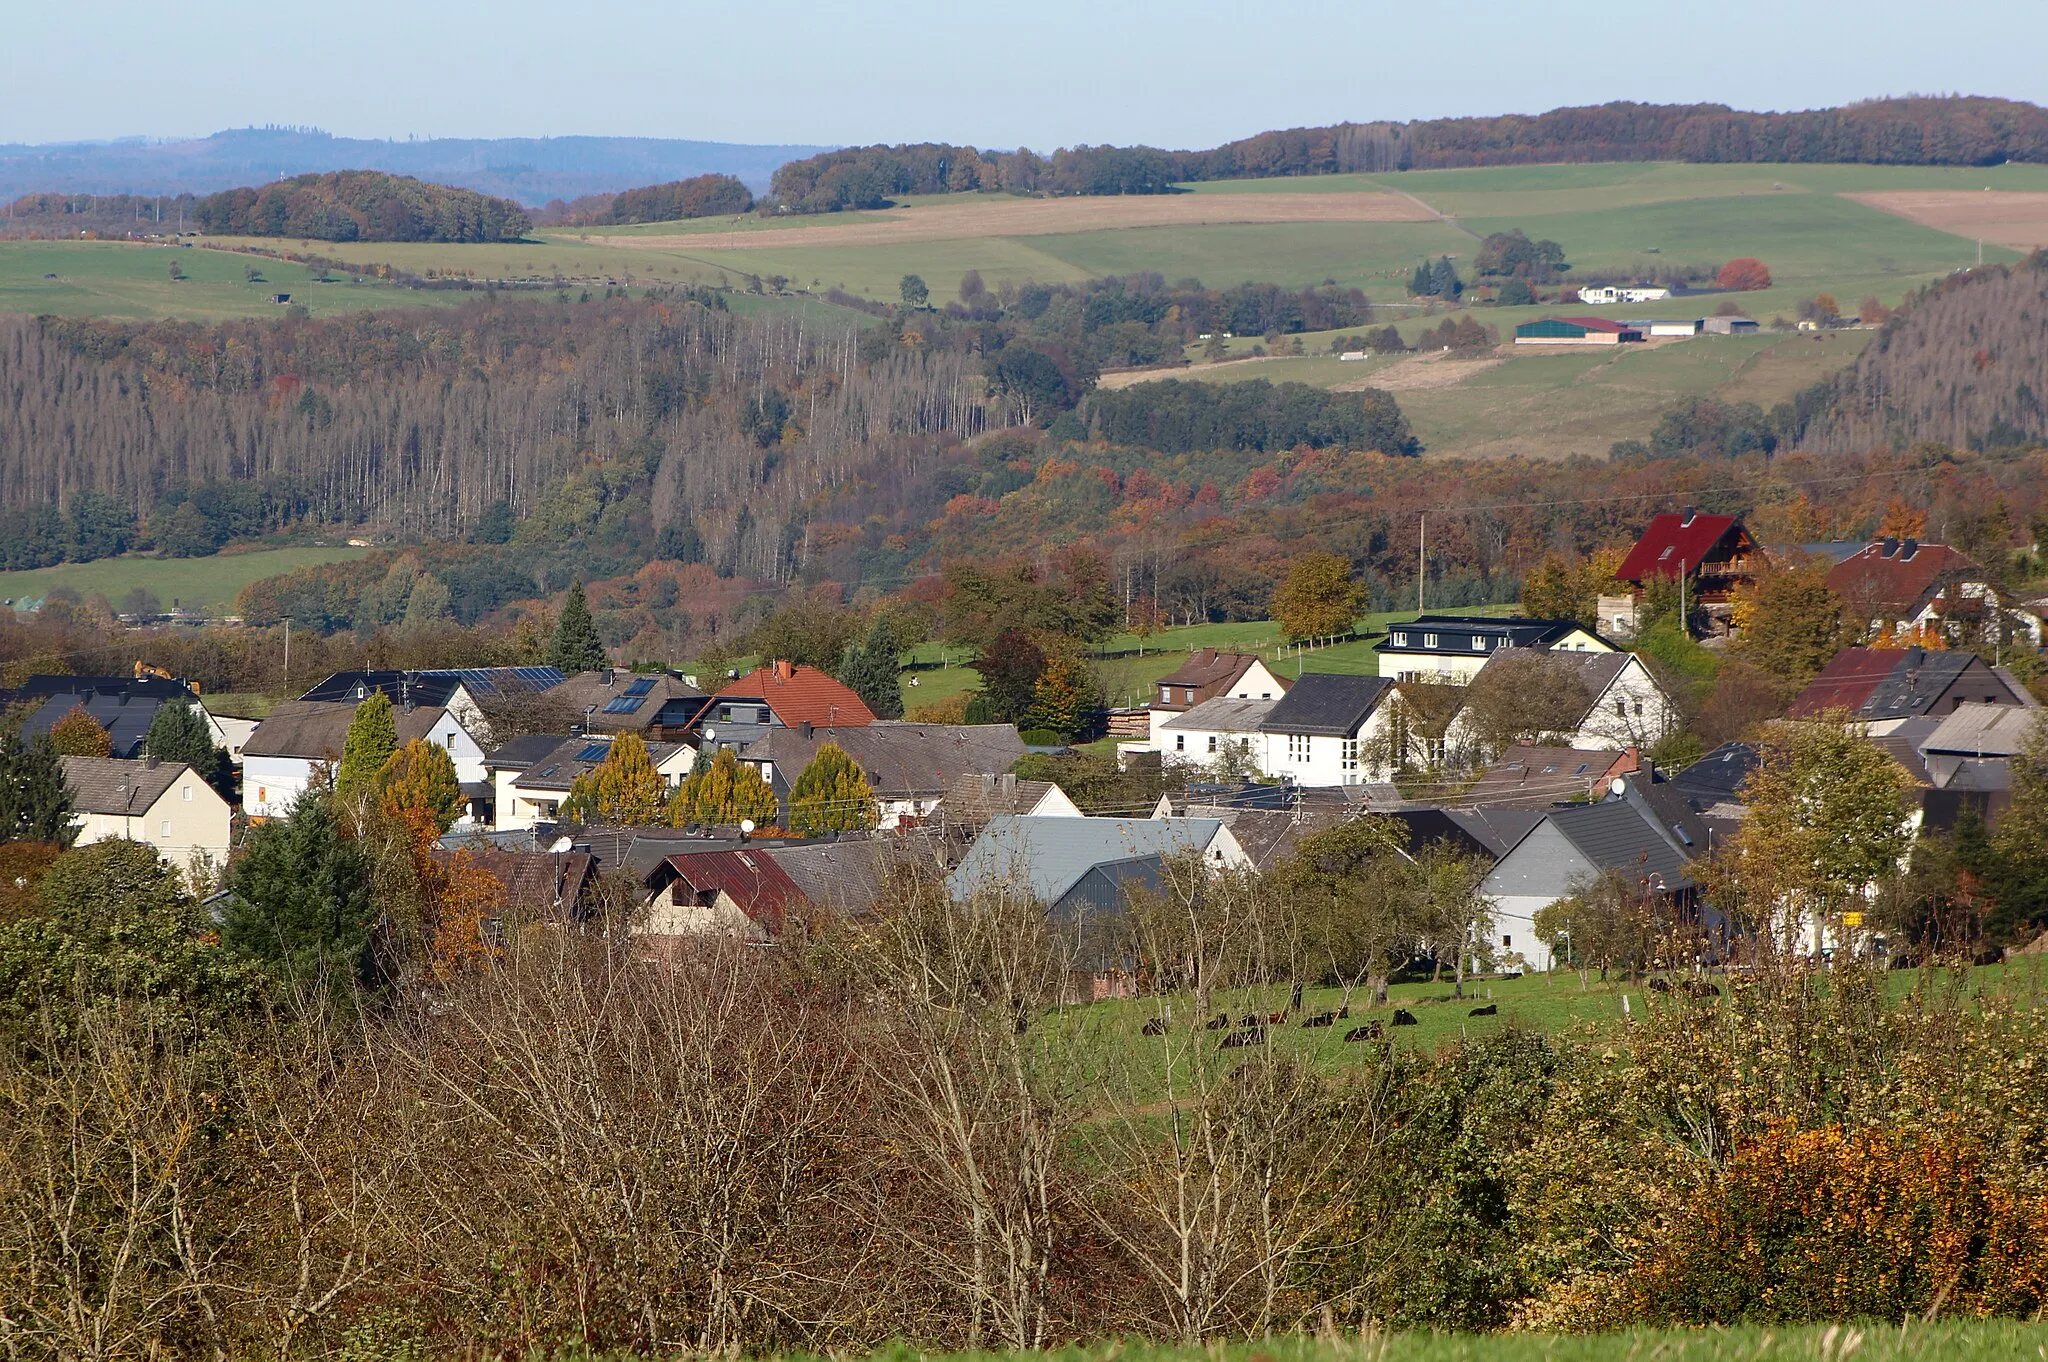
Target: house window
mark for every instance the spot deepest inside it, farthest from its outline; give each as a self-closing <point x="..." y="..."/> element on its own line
<point x="1188" y="695"/>
<point x="163" y="830"/>
<point x="725" y="714"/>
<point x="1212" y="742"/>
<point x="1478" y="643"/>
<point x="1506" y="942"/>
<point x="1180" y="742"/>
<point x="1297" y="746"/>
<point x="187" y="791"/>
<point x="764" y="715"/>
<point x="1621" y="708"/>
<point x="262" y="795"/>
<point x="1349" y="754"/>
<point x="1429" y="640"/>
<point x="1166" y="695"/>
<point x="449" y="742"/>
<point x="1400" y="638"/>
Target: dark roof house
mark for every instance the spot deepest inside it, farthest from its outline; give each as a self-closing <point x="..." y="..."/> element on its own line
<point x="610" y="700"/>
<point x="314" y="730"/>
<point x="1885" y="686"/>
<point x="539" y="885"/>
<point x="436" y="686"/>
<point x="904" y="762"/>
<point x="124" y="715"/>
<point x="1326" y="704"/>
<point x="1713" y="554"/>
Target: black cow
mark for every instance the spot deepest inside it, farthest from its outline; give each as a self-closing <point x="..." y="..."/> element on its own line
<point x="1490" y="1010"/>
<point x="1403" y="1017"/>
<point x="1218" y="1022"/>
<point x="1369" y="1031"/>
<point x="1237" y="1040"/>
<point x="1320" y="1019"/>
<point x="1155" y="1027"/>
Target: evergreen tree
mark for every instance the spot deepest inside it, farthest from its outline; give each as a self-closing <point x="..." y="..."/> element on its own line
<point x="1443" y="279"/>
<point x="35" y="803"/>
<point x="832" y="795"/>
<point x="1009" y="669"/>
<point x="1419" y="285"/>
<point x="372" y="738"/>
<point x="299" y="896"/>
<point x="870" y="670"/>
<point x="624" y="789"/>
<point x="419" y="787"/>
<point x="178" y="732"/>
<point x="577" y="648"/>
<point x="722" y="791"/>
<point x="78" y="734"/>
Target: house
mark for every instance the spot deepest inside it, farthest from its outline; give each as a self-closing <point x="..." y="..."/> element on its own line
<point x="1670" y="326"/>
<point x="1731" y="326"/>
<point x="1710" y="556"/>
<point x="780" y="695"/>
<point x="461" y="691"/>
<point x="1329" y="730"/>
<point x="1599" y="295"/>
<point x="1713" y="784"/>
<point x="1625" y="707"/>
<point x="1077" y="865"/>
<point x="973" y="800"/>
<point x="849" y="878"/>
<point x="300" y="737"/>
<point x="1965" y="760"/>
<point x="1903" y="587"/>
<point x="533" y="793"/>
<point x="1537" y="777"/>
<point x="540" y="886"/>
<point x="123" y="705"/>
<point x="504" y="764"/>
<point x="1880" y="688"/>
<point x="1450" y="649"/>
<point x="741" y="893"/>
<point x="909" y="766"/>
<point x="659" y="706"/>
<point x="1567" y="851"/>
<point x="234" y="732"/>
<point x="1486" y="832"/>
<point x="1216" y="730"/>
<point x="164" y="804"/>
<point x="1267" y="836"/>
<point x="1207" y="675"/>
<point x="1576" y="331"/>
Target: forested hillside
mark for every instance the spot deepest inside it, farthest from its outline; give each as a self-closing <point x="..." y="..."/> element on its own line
<point x="1966" y="364"/>
<point x="361" y="205"/>
<point x="1912" y="131"/>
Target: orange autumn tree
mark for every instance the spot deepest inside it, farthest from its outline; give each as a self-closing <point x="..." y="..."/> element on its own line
<point x="464" y="898"/>
<point x="78" y="734"/>
<point x="1902" y="520"/>
<point x="417" y="786"/>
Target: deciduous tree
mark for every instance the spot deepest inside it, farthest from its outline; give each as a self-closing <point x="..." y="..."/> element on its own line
<point x="721" y="792"/>
<point x="1744" y="273"/>
<point x="1319" y="597"/>
<point x="78" y="734"/>
<point x="418" y="787"/>
<point x="1790" y="623"/>
<point x="832" y="795"/>
<point x="623" y="789"/>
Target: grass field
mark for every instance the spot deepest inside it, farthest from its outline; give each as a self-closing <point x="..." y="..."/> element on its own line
<point x="1941" y="1341"/>
<point x="192" y="582"/>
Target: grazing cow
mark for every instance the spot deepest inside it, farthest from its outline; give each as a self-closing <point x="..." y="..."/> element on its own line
<point x="1403" y="1017"/>
<point x="1344" y="1013"/>
<point x="1294" y="998"/>
<point x="1700" y="988"/>
<point x="1320" y="1019"/>
<point x="1369" y="1031"/>
<point x="1990" y="957"/>
<point x="1155" y="1027"/>
<point x="1657" y="986"/>
<point x="1237" y="1040"/>
<point x="1275" y="1018"/>
<point x="1219" y="1022"/>
<point x="1250" y="1019"/>
<point x="1490" y="1010"/>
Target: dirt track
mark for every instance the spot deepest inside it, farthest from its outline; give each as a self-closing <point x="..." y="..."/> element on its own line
<point x="1045" y="217"/>
<point x="2003" y="218"/>
<point x="1433" y="370"/>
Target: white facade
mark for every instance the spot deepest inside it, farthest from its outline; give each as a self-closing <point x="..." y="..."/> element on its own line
<point x="1257" y="683"/>
<point x="271" y="785"/>
<point x="1446" y="665"/>
<point x="1314" y="759"/>
<point x="1633" y="711"/>
<point x="1602" y="294"/>
<point x="517" y="806"/>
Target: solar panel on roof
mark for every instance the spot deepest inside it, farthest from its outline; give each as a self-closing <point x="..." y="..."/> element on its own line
<point x="641" y="687"/>
<point x="624" y="704"/>
<point x="596" y="751"/>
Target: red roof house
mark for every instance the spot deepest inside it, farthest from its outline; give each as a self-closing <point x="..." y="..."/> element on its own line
<point x="742" y="893"/>
<point x="1900" y="584"/>
<point x="1713" y="554"/>
<point x="796" y="695"/>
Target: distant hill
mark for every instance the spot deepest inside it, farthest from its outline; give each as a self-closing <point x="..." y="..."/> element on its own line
<point x="361" y="205"/>
<point x="1962" y="364"/>
<point x="532" y="170"/>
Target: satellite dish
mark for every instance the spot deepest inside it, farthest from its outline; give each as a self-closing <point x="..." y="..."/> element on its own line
<point x="746" y="825"/>
<point x="1620" y="785"/>
<point x="710" y="734"/>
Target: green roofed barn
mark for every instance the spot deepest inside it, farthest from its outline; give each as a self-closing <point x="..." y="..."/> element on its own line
<point x="1576" y="331"/>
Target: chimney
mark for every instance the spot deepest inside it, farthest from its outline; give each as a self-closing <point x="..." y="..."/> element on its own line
<point x="784" y="669"/>
<point x="804" y="728"/>
<point x="1010" y="784"/>
<point x="1887" y="546"/>
<point x="607" y="674"/>
<point x="149" y="761"/>
<point x="1687" y="518"/>
<point x="1915" y="655"/>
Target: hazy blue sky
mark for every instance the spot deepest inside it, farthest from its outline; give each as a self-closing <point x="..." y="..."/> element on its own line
<point x="1039" y="73"/>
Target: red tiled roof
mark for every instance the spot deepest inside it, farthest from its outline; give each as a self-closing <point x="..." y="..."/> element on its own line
<point x="1848" y="682"/>
<point x="1599" y="324"/>
<point x="1687" y="544"/>
<point x="1206" y="667"/>
<point x="762" y="889"/>
<point x="1896" y="582"/>
<point x="800" y="695"/>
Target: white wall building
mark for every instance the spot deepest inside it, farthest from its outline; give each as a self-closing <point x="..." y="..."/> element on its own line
<point x="301" y="737"/>
<point x="165" y="804"/>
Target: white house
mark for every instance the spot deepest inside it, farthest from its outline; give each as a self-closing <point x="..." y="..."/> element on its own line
<point x="164" y="804"/>
<point x="1450" y="649"/>
<point x="301" y="737"/>
<point x="1624" y="706"/>
<point x="1210" y="675"/>
<point x="1329" y="730"/>
<point x="1213" y="731"/>
<point x="532" y="792"/>
<point x="1601" y="294"/>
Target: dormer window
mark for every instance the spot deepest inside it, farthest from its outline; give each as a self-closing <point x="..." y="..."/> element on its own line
<point x="1400" y="638"/>
<point x="1430" y="641"/>
<point x="1478" y="643"/>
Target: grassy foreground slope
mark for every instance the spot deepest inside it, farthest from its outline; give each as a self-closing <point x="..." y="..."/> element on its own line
<point x="213" y="581"/>
<point x="1942" y="1341"/>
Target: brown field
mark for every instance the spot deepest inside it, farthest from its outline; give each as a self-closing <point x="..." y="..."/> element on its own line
<point x="2015" y="220"/>
<point x="1048" y="217"/>
<point x="1434" y="370"/>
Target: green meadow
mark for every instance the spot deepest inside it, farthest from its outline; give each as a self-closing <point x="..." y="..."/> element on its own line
<point x="211" y="582"/>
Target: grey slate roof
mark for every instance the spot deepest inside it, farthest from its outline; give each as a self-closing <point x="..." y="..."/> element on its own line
<point x="1048" y="857"/>
<point x="1496" y="829"/>
<point x="569" y="758"/>
<point x="315" y="730"/>
<point x="1614" y="835"/>
<point x="1267" y="836"/>
<point x="1224" y="715"/>
<point x="1538" y="776"/>
<point x="112" y="785"/>
<point x="520" y="753"/>
<point x="125" y="716"/>
<point x="976" y="797"/>
<point x="901" y="759"/>
<point x="1981" y="730"/>
<point x="848" y="877"/>
<point x="1325" y="704"/>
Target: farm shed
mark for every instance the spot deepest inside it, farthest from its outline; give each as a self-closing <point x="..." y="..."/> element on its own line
<point x="1575" y="331"/>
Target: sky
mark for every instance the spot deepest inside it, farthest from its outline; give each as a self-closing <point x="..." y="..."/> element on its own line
<point x="1042" y="73"/>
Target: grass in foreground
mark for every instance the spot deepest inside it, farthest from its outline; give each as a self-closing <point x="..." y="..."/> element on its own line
<point x="211" y="582"/>
<point x="1941" y="1341"/>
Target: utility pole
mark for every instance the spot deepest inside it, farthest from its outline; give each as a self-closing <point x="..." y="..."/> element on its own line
<point x="1421" y="558"/>
<point x="287" y="654"/>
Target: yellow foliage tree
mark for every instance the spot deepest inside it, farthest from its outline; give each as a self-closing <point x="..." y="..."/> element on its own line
<point x="722" y="791"/>
<point x="623" y="789"/>
<point x="78" y="734"/>
<point x="1318" y="598"/>
<point x="417" y="786"/>
<point x="465" y="897"/>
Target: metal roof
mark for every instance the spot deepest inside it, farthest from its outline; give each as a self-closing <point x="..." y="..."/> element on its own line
<point x="1672" y="540"/>
<point x="1980" y="730"/>
<point x="1326" y="704"/>
<point x="1049" y="856"/>
<point x="1224" y="715"/>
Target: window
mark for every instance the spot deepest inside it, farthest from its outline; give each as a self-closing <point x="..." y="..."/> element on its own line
<point x="725" y="714"/>
<point x="1188" y="694"/>
<point x="262" y="795"/>
<point x="187" y="791"/>
<point x="1348" y="754"/>
<point x="1478" y="643"/>
<point x="1212" y="742"/>
<point x="1297" y="746"/>
<point x="1180" y="742"/>
<point x="1621" y="708"/>
<point x="1506" y="942"/>
<point x="449" y="742"/>
<point x="1400" y="638"/>
<point x="163" y="830"/>
<point x="764" y="715"/>
<point x="1166" y="695"/>
<point x="1429" y="640"/>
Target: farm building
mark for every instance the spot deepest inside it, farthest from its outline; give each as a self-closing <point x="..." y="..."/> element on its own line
<point x="1668" y="326"/>
<point x="1731" y="326"/>
<point x="1601" y="294"/>
<point x="1575" y="331"/>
